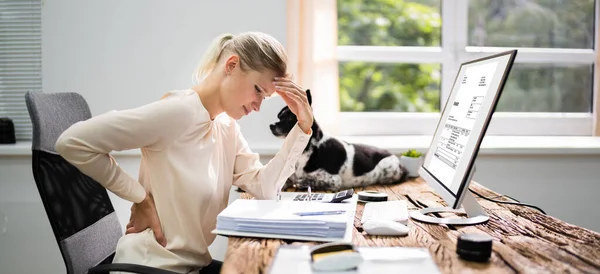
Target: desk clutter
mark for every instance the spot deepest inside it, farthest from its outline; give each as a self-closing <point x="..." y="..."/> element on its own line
<point x="536" y="243"/>
<point x="334" y="258"/>
<point x="288" y="219"/>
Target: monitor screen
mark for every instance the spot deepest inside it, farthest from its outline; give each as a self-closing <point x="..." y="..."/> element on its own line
<point x="463" y="122"/>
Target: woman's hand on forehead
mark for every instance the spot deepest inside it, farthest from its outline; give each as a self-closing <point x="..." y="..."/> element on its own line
<point x="295" y="97"/>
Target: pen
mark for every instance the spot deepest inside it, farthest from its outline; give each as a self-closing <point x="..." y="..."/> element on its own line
<point x="319" y="213"/>
<point x="309" y="197"/>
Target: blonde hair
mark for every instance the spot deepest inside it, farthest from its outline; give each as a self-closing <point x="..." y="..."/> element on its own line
<point x="257" y="51"/>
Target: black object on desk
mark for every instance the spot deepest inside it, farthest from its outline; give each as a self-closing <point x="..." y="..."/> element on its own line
<point x="475" y="247"/>
<point x="372" y="196"/>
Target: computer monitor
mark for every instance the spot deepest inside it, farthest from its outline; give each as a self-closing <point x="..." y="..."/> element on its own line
<point x="448" y="165"/>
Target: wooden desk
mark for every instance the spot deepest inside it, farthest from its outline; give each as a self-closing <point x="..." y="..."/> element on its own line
<point x="525" y="241"/>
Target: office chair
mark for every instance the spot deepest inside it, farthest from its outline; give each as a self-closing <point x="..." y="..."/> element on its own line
<point x="80" y="212"/>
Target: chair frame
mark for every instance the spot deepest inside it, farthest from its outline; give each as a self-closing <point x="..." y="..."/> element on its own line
<point x="104" y="266"/>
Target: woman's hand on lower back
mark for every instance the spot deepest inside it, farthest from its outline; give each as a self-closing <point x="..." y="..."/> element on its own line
<point x="143" y="216"/>
<point x="295" y="97"/>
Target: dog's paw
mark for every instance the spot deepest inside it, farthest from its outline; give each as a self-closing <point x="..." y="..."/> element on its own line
<point x="289" y="184"/>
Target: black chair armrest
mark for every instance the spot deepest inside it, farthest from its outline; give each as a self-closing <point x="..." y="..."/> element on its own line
<point x="132" y="268"/>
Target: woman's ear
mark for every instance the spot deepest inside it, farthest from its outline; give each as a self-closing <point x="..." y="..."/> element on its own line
<point x="232" y="62"/>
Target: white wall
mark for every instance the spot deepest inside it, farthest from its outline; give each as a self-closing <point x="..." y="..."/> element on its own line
<point x="122" y="54"/>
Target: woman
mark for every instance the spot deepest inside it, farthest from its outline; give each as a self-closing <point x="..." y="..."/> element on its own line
<point x="192" y="151"/>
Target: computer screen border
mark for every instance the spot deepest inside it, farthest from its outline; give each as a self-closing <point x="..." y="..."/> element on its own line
<point x="448" y="195"/>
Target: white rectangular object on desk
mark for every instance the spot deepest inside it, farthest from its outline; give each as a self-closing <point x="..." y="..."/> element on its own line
<point x="395" y="210"/>
<point x="276" y="219"/>
<point x="295" y="259"/>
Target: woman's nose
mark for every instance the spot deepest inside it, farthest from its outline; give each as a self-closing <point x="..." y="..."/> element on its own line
<point x="256" y="106"/>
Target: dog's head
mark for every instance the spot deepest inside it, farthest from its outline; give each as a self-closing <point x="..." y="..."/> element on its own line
<point x="287" y="120"/>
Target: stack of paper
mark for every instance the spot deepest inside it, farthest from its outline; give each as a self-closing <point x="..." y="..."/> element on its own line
<point x="287" y="219"/>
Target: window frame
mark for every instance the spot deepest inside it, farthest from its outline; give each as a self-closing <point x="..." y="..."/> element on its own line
<point x="453" y="51"/>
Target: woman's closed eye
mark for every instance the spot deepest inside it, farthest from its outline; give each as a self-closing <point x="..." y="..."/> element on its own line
<point x="259" y="92"/>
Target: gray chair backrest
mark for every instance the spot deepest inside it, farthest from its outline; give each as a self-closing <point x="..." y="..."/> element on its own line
<point x="79" y="209"/>
<point x="53" y="113"/>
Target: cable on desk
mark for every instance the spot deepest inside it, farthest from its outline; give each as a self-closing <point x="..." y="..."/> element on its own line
<point x="508" y="203"/>
<point x="500" y="196"/>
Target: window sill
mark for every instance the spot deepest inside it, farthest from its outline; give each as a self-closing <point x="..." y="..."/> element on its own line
<point x="492" y="145"/>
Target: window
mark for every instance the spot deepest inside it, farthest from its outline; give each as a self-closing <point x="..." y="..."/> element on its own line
<point x="20" y="60"/>
<point x="398" y="59"/>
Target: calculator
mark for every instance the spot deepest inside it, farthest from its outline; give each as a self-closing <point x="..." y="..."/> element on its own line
<point x="325" y="197"/>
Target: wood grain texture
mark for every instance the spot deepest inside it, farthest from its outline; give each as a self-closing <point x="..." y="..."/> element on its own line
<point x="525" y="241"/>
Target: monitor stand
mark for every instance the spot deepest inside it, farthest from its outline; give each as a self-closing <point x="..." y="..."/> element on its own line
<point x="475" y="214"/>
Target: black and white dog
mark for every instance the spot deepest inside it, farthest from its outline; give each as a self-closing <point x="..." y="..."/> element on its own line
<point x="329" y="163"/>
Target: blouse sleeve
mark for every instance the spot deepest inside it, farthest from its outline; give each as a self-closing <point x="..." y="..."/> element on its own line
<point x="87" y="144"/>
<point x="264" y="181"/>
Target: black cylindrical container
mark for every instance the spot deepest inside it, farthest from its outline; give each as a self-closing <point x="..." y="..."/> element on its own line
<point x="474" y="247"/>
<point x="7" y="131"/>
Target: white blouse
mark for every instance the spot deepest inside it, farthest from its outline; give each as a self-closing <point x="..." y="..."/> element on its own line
<point x="189" y="163"/>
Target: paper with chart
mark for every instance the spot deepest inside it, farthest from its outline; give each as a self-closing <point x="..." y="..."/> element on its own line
<point x="464" y="111"/>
